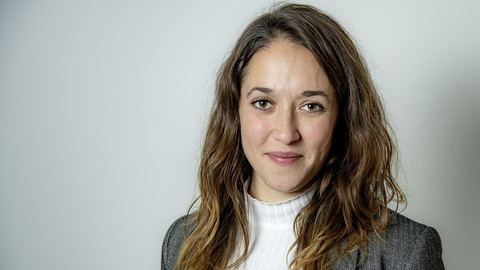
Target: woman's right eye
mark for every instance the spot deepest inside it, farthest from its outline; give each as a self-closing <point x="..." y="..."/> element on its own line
<point x="262" y="104"/>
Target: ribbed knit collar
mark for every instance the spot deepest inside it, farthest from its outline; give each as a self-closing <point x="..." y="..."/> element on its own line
<point x="280" y="213"/>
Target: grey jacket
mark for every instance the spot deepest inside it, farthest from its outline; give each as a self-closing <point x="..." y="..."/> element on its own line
<point x="407" y="245"/>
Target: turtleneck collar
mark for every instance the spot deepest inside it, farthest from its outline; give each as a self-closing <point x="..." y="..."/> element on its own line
<point x="280" y="213"/>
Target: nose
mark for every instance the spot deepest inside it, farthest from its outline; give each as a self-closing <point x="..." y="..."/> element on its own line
<point x="285" y="127"/>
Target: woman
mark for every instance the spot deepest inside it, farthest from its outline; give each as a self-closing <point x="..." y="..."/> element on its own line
<point x="296" y="170"/>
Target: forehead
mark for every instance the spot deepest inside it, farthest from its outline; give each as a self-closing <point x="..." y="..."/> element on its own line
<point x="285" y="65"/>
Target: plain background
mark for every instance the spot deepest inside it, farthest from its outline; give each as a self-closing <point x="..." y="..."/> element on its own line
<point x="103" y="105"/>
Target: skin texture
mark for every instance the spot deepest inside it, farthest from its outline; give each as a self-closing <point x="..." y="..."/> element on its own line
<point x="288" y="113"/>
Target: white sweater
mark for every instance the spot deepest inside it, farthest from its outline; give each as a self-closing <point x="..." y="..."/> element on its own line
<point x="271" y="232"/>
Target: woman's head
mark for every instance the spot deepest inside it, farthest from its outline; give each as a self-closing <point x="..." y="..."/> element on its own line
<point x="356" y="100"/>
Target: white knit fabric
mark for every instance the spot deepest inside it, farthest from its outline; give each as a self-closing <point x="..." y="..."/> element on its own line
<point x="271" y="232"/>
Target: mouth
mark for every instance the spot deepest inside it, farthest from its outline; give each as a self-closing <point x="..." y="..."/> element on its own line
<point x="284" y="158"/>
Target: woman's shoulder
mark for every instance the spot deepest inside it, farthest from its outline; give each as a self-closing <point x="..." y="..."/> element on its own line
<point x="176" y="235"/>
<point x="406" y="244"/>
<point x="404" y="229"/>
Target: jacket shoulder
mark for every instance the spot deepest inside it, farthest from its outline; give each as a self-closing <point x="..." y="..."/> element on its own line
<point x="176" y="235"/>
<point x="406" y="244"/>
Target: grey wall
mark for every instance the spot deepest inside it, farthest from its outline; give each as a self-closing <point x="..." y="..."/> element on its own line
<point x="103" y="105"/>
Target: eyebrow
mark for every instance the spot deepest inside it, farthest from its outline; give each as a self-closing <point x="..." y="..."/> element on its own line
<point x="308" y="93"/>
<point x="311" y="93"/>
<point x="264" y="90"/>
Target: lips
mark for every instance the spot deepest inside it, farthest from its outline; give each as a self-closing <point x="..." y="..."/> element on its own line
<point x="284" y="158"/>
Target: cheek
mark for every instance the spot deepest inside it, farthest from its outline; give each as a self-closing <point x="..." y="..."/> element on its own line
<point x="318" y="135"/>
<point x="253" y="130"/>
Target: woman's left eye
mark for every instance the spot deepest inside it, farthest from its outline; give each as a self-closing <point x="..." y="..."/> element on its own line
<point x="313" y="107"/>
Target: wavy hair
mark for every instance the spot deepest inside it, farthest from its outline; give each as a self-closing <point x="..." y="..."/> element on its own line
<point x="356" y="181"/>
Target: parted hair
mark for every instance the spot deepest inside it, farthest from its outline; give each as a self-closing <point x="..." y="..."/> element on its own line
<point x="356" y="182"/>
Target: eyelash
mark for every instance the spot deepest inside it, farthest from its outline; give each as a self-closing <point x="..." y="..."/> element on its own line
<point x="256" y="104"/>
<point x="319" y="107"/>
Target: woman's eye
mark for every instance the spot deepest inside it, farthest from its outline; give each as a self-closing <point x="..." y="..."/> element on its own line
<point x="312" y="107"/>
<point x="262" y="104"/>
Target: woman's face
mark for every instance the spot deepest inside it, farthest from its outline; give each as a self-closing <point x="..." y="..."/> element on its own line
<point x="288" y="112"/>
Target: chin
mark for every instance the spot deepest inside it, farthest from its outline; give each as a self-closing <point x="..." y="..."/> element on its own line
<point x="286" y="186"/>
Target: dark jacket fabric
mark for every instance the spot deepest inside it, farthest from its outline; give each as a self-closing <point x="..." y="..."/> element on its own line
<point x="406" y="244"/>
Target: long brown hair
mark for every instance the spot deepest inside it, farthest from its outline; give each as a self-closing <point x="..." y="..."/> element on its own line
<point x="356" y="180"/>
